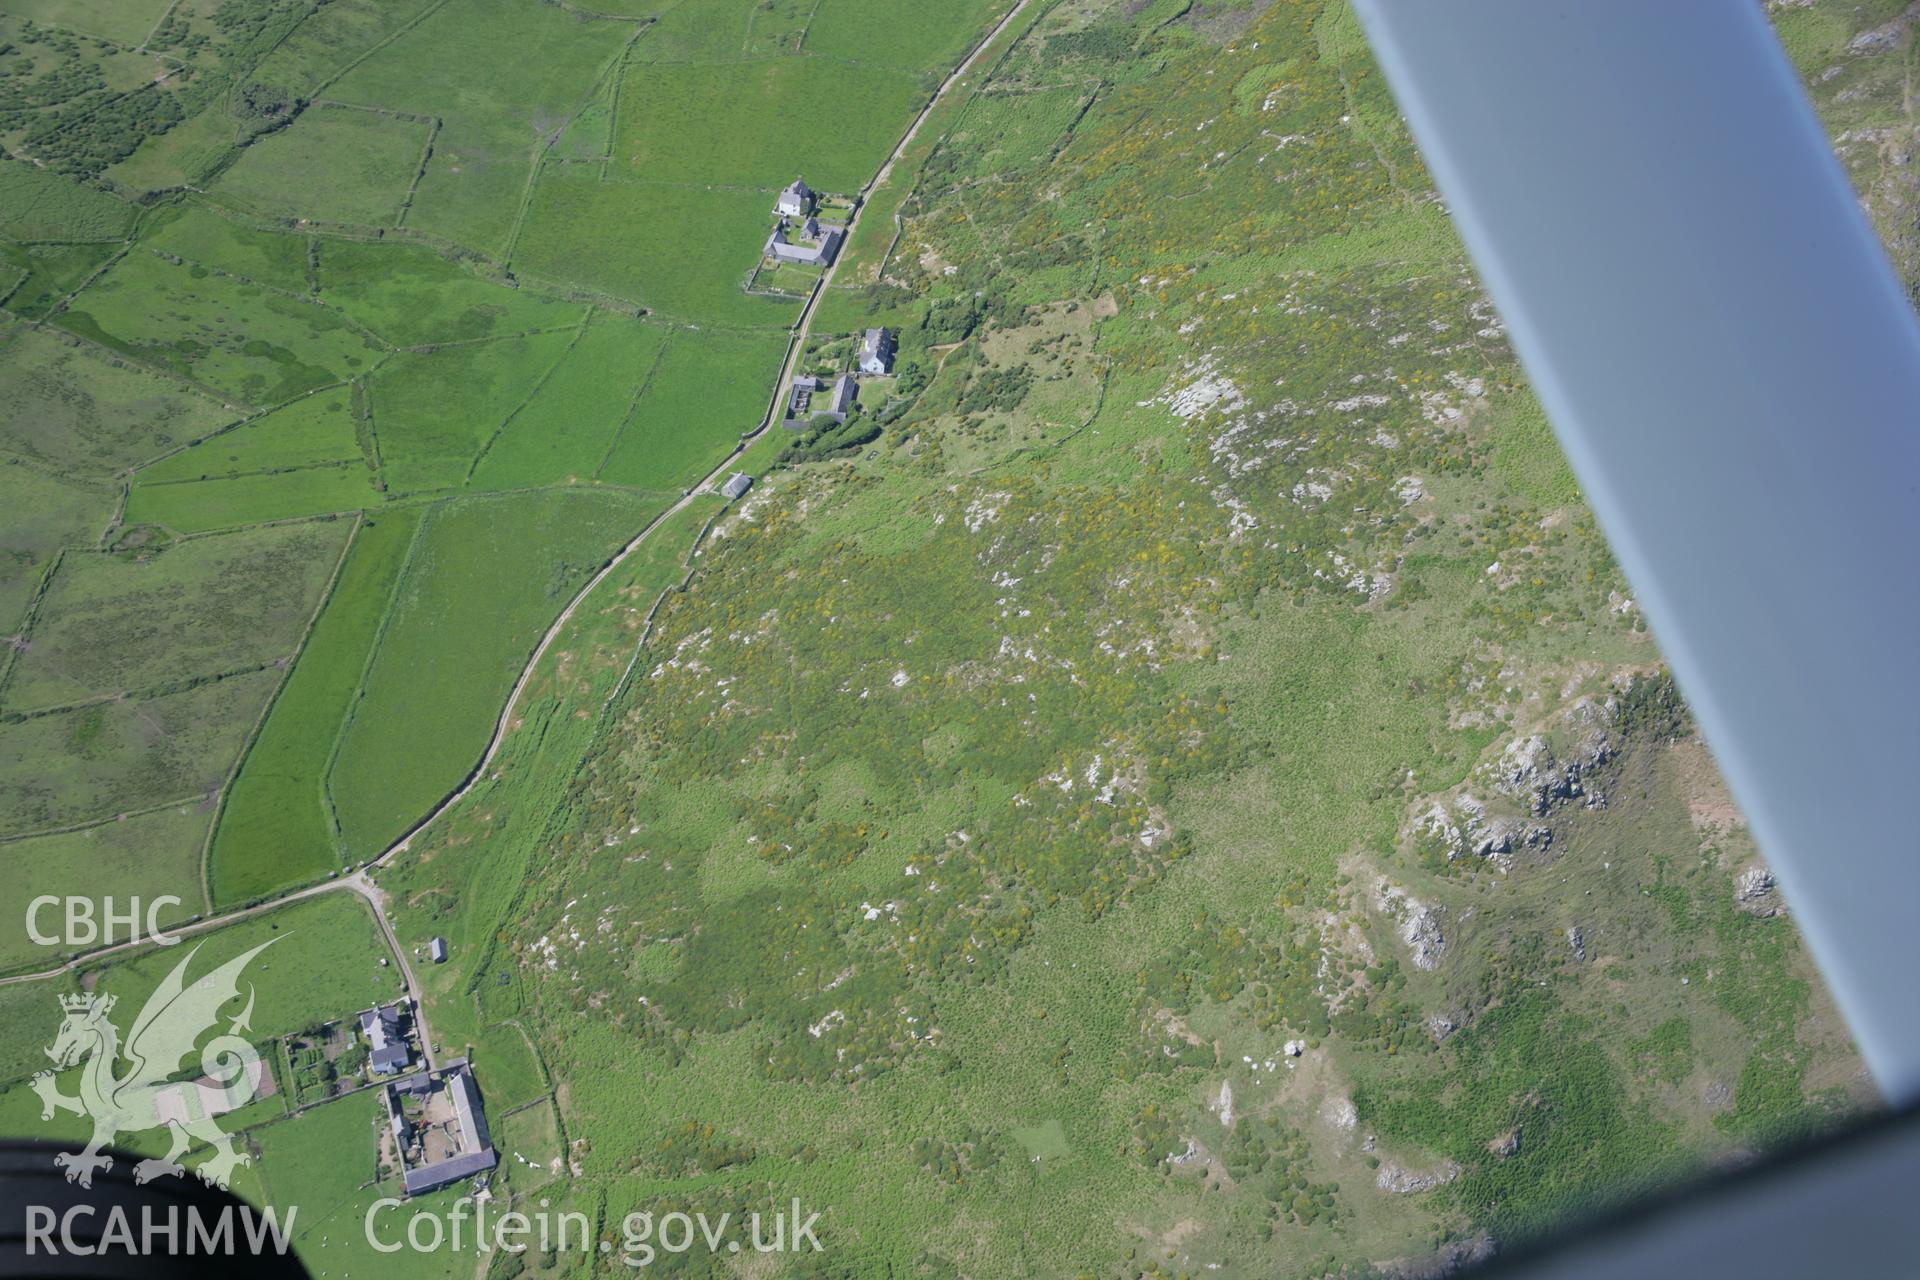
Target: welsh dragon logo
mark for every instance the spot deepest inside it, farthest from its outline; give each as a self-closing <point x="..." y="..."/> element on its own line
<point x="149" y="1094"/>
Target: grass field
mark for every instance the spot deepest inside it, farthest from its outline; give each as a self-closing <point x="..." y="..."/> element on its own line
<point x="707" y="390"/>
<point x="502" y="76"/>
<point x="76" y="411"/>
<point x="48" y="273"/>
<point x="118" y="624"/>
<point x="122" y="756"/>
<point x="759" y="124"/>
<point x="316" y="429"/>
<point x="370" y="159"/>
<point x="413" y="296"/>
<point x="323" y="962"/>
<point x="434" y="413"/>
<point x="488" y="576"/>
<point x="142" y="858"/>
<point x="869" y="31"/>
<point x="195" y="506"/>
<point x="564" y="433"/>
<point x="51" y="513"/>
<point x="254" y="344"/>
<point x="684" y="252"/>
<point x="203" y="237"/>
<point x="37" y="205"/>
<point x="277" y="827"/>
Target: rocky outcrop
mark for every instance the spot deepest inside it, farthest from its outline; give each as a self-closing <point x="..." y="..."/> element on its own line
<point x="1418" y="924"/>
<point x="1401" y="1181"/>
<point x="1755" y="893"/>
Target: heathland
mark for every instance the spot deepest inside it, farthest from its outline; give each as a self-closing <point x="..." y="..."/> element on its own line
<point x="1173" y="785"/>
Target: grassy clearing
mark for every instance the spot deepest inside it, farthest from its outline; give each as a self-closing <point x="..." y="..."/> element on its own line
<point x="118" y="623"/>
<point x="142" y="858"/>
<point x="1009" y="131"/>
<point x="434" y="413"/>
<point x="566" y="430"/>
<point x="23" y="1010"/>
<point x="277" y="828"/>
<point x="412" y="296"/>
<point x="707" y="390"/>
<point x="203" y="237"/>
<point x="252" y="343"/>
<point x="1526" y="456"/>
<point x="317" y="429"/>
<point x="757" y="124"/>
<point x="120" y="757"/>
<point x="685" y="252"/>
<point x="48" y="513"/>
<point x="487" y="578"/>
<point x="80" y="413"/>
<point x="369" y="157"/>
<point x="697" y="31"/>
<point x="198" y="506"/>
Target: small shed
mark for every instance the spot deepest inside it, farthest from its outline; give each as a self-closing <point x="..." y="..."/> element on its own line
<point x="437" y="950"/>
<point x="737" y="483"/>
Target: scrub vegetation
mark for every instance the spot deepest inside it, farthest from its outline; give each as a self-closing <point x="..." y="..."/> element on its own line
<point x="1174" y="785"/>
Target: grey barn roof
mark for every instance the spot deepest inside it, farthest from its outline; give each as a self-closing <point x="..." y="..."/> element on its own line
<point x="843" y="392"/>
<point x="737" y="483"/>
<point x="441" y="1172"/>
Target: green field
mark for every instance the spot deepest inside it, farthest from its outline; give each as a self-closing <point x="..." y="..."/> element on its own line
<point x="566" y="431"/>
<point x="370" y="159"/>
<point x="111" y="625"/>
<point x="277" y="827"/>
<point x="434" y="413"/>
<point x="322" y="962"/>
<point x="53" y="513"/>
<point x="48" y="273"/>
<point x="77" y="410"/>
<point x="142" y="858"/>
<point x="204" y="237"/>
<point x="115" y="757"/>
<point x="706" y="392"/>
<point x="501" y="75"/>
<point x="198" y="506"/>
<point x="256" y="345"/>
<point x="36" y="205"/>
<point x="684" y="252"/>
<point x="311" y="431"/>
<point x="412" y="296"/>
<point x="487" y="577"/>
<point x="756" y="124"/>
<point x="869" y="31"/>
